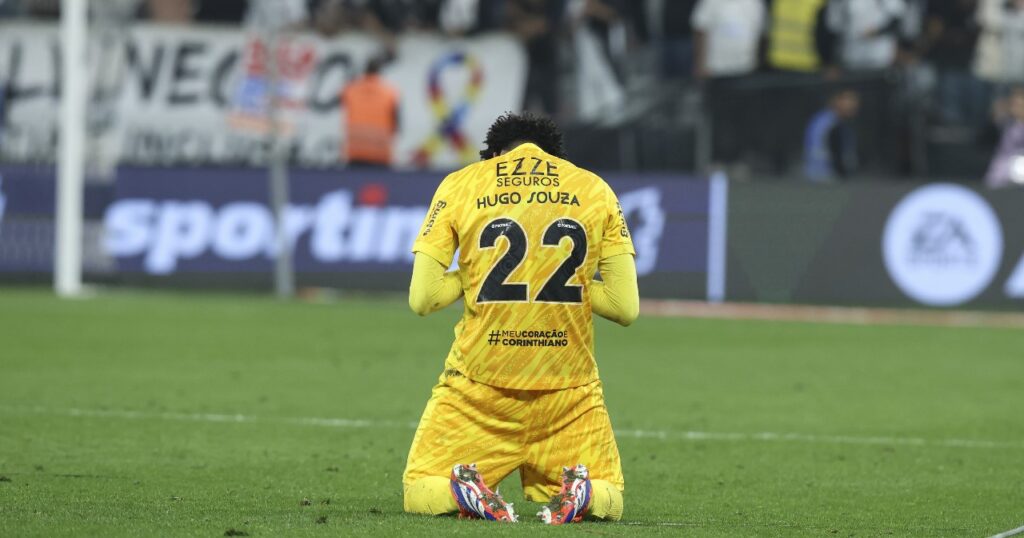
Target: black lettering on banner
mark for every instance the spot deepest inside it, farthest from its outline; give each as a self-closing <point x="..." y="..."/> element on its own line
<point x="185" y="71"/>
<point x="325" y="101"/>
<point x="15" y="91"/>
<point x="220" y="89"/>
<point x="148" y="71"/>
<point x="494" y="287"/>
<point x="58" y="70"/>
<point x="557" y="289"/>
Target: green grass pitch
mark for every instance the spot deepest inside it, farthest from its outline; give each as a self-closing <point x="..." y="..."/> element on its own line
<point x="153" y="414"/>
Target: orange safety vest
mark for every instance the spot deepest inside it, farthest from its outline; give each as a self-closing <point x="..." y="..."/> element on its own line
<point x="371" y="107"/>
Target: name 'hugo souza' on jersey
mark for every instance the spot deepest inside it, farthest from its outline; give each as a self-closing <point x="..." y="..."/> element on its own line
<point x="537" y="197"/>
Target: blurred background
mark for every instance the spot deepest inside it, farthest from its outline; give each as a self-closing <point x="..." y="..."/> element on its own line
<point x="863" y="152"/>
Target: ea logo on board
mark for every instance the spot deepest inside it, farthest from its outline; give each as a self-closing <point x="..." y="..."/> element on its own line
<point x="942" y="245"/>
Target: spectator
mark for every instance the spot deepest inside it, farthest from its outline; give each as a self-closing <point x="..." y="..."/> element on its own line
<point x="327" y="16"/>
<point x="536" y="23"/>
<point x="219" y="11"/>
<point x="917" y="77"/>
<point x="490" y="15"/>
<point x="279" y="14"/>
<point x="169" y="11"/>
<point x="599" y="88"/>
<point x="230" y="12"/>
<point x="830" y="144"/>
<point x="371" y="118"/>
<point x="1007" y="166"/>
<point x="912" y="24"/>
<point x="41" y="9"/>
<point x="792" y="35"/>
<point x="677" y="38"/>
<point x="951" y="32"/>
<point x="382" y="18"/>
<point x="727" y="35"/>
<point x="389" y="16"/>
<point x="867" y="31"/>
<point x="636" y="15"/>
<point x="999" y="58"/>
<point x="458" y="17"/>
<point x="8" y="8"/>
<point x="426" y="15"/>
<point x="3" y="112"/>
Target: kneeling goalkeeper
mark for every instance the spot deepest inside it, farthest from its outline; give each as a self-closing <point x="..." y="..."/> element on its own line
<point x="520" y="387"/>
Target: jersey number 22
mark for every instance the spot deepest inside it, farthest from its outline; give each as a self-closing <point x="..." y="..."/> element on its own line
<point x="496" y="289"/>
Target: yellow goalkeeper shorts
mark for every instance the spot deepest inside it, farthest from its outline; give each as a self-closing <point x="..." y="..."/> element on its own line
<point x="502" y="430"/>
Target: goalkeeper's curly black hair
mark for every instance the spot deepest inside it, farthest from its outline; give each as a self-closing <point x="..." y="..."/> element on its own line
<point x="511" y="128"/>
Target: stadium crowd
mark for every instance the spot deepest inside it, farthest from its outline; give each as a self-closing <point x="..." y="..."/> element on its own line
<point x="952" y="64"/>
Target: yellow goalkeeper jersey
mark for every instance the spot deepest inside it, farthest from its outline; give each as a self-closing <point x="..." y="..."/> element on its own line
<point x="529" y="228"/>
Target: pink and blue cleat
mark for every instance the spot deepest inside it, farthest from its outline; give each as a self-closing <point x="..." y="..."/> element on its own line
<point x="572" y="502"/>
<point x="475" y="499"/>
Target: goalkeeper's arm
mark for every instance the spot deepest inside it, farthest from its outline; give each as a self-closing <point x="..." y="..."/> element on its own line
<point x="616" y="298"/>
<point x="432" y="288"/>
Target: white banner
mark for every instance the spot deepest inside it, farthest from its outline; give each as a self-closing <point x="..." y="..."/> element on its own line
<point x="193" y="95"/>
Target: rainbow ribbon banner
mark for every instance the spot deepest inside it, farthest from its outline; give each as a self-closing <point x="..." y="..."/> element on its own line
<point x="450" y="119"/>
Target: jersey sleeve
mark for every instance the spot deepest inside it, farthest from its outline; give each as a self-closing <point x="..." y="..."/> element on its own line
<point x="438" y="237"/>
<point x="616" y="239"/>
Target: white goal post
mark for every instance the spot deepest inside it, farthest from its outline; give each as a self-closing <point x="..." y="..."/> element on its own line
<point x="80" y="70"/>
<point x="67" y="259"/>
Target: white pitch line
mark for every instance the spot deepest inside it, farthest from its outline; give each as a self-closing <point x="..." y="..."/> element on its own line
<point x="1007" y="534"/>
<point x="815" y="438"/>
<point x="664" y="435"/>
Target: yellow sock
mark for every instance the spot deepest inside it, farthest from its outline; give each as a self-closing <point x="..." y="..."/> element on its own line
<point x="431" y="495"/>
<point x="605" y="501"/>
